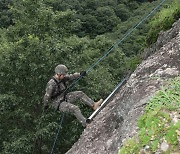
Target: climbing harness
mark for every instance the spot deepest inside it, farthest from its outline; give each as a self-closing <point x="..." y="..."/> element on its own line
<point x="100" y="59"/>
<point x="59" y="91"/>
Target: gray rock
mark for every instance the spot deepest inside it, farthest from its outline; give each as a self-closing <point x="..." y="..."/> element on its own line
<point x="118" y="120"/>
<point x="164" y="146"/>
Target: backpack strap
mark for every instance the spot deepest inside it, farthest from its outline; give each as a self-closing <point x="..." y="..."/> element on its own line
<point x="60" y="92"/>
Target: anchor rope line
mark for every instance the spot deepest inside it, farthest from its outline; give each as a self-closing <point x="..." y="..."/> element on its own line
<point x="62" y="118"/>
<point x="130" y="31"/>
<point x="100" y="59"/>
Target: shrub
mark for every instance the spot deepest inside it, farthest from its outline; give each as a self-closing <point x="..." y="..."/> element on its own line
<point x="163" y="21"/>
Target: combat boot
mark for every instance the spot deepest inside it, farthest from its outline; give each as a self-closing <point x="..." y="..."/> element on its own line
<point x="97" y="104"/>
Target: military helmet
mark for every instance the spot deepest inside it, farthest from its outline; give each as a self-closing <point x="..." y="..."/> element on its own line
<point x="61" y="69"/>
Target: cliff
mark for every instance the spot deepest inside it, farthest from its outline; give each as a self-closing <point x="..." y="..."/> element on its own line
<point x="118" y="120"/>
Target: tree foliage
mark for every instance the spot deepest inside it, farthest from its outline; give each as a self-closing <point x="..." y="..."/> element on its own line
<point x="5" y="14"/>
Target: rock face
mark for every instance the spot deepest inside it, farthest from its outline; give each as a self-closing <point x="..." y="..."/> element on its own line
<point x="118" y="120"/>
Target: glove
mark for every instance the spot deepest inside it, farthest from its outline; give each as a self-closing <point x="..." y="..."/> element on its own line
<point x="45" y="107"/>
<point x="83" y="73"/>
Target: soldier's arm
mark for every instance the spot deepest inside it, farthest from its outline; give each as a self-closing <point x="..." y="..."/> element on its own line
<point x="48" y="94"/>
<point x="72" y="76"/>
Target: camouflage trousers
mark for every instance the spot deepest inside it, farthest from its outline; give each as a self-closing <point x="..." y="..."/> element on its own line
<point x="67" y="106"/>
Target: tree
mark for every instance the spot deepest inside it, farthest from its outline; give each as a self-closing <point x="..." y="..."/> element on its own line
<point x="5" y="15"/>
<point x="107" y="20"/>
<point x="122" y="12"/>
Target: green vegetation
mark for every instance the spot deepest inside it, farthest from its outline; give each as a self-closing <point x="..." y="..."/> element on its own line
<point x="38" y="35"/>
<point x="157" y="125"/>
<point x="163" y="21"/>
<point x="5" y="14"/>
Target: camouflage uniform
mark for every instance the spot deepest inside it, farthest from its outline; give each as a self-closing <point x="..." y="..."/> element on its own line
<point x="62" y="101"/>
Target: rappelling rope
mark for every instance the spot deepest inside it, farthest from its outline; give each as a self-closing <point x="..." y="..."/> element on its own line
<point x="62" y="118"/>
<point x="100" y="59"/>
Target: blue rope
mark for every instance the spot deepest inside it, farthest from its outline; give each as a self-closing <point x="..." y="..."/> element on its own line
<point x="100" y="59"/>
<point x="62" y="118"/>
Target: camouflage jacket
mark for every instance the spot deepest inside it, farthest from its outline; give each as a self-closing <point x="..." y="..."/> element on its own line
<point x="56" y="88"/>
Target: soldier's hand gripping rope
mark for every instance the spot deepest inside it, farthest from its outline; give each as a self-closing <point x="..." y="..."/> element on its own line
<point x="83" y="73"/>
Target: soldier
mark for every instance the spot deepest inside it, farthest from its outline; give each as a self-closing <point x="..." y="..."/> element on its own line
<point x="62" y="101"/>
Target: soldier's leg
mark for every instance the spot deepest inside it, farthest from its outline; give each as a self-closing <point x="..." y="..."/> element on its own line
<point x="71" y="108"/>
<point x="79" y="95"/>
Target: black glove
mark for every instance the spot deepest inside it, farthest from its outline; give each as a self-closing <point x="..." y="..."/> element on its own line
<point x="83" y="73"/>
<point x="45" y="107"/>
